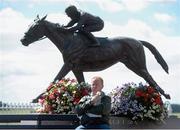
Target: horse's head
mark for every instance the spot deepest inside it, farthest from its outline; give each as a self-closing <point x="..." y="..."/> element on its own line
<point x="35" y="32"/>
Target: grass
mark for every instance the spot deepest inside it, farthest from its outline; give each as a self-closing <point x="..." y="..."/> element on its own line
<point x="176" y="114"/>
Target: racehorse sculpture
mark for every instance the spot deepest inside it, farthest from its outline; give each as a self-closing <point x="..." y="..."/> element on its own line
<point x="79" y="57"/>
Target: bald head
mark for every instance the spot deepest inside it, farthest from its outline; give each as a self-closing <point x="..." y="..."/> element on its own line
<point x="97" y="84"/>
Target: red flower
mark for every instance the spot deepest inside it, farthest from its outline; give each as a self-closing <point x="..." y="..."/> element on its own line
<point x="156" y="95"/>
<point x="158" y="101"/>
<point x="139" y="93"/>
<point x="51" y="96"/>
<point x="146" y="95"/>
<point x="63" y="88"/>
<point x="50" y="86"/>
<point x="76" y="101"/>
<point x="61" y="81"/>
<point x="56" y="92"/>
<point x="84" y="92"/>
<point x="150" y="90"/>
<point x="48" y="108"/>
<point x="41" y="100"/>
<point x="73" y="81"/>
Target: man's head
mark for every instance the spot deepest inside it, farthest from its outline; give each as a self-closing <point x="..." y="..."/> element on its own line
<point x="72" y="11"/>
<point x="96" y="84"/>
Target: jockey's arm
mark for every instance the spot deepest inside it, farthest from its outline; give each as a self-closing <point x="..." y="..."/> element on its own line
<point x="71" y="23"/>
<point x="77" y="27"/>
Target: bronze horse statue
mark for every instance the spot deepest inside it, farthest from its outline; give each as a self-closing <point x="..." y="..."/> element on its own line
<point x="79" y="57"/>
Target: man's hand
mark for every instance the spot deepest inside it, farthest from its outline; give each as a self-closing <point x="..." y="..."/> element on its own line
<point x="96" y="98"/>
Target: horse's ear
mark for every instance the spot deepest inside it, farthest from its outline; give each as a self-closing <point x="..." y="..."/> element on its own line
<point x="44" y="17"/>
<point x="38" y="17"/>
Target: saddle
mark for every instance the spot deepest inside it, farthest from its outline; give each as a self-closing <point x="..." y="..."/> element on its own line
<point x="78" y="48"/>
<point x="85" y="38"/>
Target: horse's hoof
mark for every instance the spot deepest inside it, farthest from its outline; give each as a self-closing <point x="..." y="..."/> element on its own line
<point x="35" y="100"/>
<point x="167" y="96"/>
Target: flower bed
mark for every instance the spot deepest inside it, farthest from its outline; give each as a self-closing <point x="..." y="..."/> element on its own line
<point x="138" y="102"/>
<point x="61" y="98"/>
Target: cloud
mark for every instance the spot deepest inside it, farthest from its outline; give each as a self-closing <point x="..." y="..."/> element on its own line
<point x="12" y="21"/>
<point x="67" y="2"/>
<point x="106" y="5"/>
<point x="119" y="5"/>
<point x="133" y="28"/>
<point x="164" y="18"/>
<point x="162" y="1"/>
<point x="110" y="6"/>
<point x="135" y="5"/>
<point x="58" y="18"/>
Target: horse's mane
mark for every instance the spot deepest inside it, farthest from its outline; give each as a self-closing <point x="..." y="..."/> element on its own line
<point x="56" y="26"/>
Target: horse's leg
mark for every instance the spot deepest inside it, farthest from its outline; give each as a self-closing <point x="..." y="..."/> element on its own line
<point x="79" y="76"/>
<point x="63" y="72"/>
<point x="143" y="72"/>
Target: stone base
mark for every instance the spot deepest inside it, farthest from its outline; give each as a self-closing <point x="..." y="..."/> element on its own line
<point x="124" y="123"/>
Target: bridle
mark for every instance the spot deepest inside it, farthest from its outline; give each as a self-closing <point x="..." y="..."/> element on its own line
<point x="42" y="38"/>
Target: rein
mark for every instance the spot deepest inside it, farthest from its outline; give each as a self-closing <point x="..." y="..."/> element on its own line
<point x="42" y="38"/>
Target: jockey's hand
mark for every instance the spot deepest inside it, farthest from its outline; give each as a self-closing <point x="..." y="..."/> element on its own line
<point x="57" y="25"/>
<point x="64" y="26"/>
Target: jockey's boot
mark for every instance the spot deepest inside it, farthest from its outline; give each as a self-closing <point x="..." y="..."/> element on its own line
<point x="90" y="36"/>
<point x="95" y="42"/>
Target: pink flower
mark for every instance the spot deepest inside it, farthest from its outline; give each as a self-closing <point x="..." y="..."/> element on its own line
<point x="73" y="81"/>
<point x="50" y="86"/>
<point x="51" y="96"/>
<point x="48" y="108"/>
<point x="41" y="100"/>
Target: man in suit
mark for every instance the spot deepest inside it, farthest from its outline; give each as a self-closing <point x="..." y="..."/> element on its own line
<point x="94" y="109"/>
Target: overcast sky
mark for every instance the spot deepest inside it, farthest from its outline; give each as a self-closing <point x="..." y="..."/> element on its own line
<point x="27" y="71"/>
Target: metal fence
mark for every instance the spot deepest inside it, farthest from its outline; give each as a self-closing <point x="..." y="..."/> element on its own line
<point x="18" y="108"/>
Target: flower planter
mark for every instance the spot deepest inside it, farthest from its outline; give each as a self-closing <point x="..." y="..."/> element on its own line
<point x="57" y="123"/>
<point x="125" y="123"/>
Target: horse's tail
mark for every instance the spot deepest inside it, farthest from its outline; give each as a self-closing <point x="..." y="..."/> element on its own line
<point x="157" y="55"/>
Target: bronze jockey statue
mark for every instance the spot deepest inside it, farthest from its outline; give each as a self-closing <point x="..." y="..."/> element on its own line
<point x="86" y="23"/>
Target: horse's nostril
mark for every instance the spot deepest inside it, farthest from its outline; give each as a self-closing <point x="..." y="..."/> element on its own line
<point x="24" y="41"/>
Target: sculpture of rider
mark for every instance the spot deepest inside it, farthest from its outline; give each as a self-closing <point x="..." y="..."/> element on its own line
<point x="86" y="23"/>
